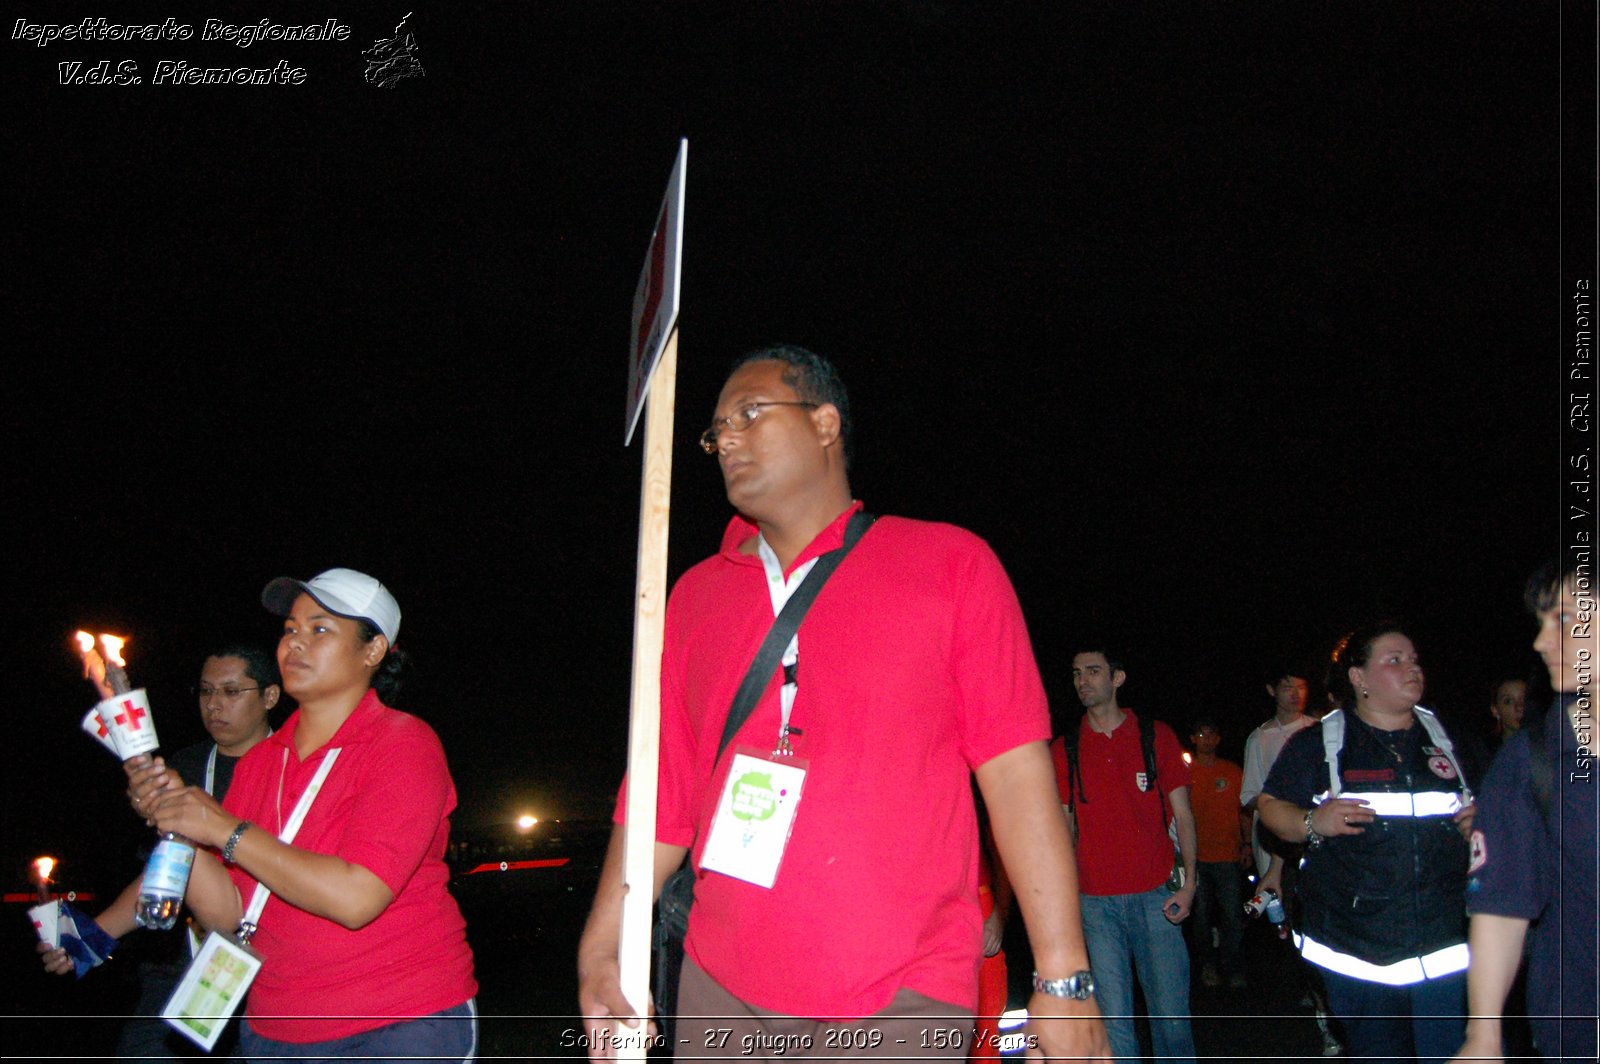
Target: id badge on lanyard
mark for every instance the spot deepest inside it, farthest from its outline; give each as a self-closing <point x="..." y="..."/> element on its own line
<point x="755" y="814"/>
<point x="214" y="986"/>
<point x="756" y="809"/>
<point x="212" y="989"/>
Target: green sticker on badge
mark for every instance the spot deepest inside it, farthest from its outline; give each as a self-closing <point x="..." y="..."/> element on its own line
<point x="753" y="798"/>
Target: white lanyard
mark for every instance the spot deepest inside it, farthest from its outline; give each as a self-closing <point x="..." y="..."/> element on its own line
<point x="211" y="768"/>
<point x="780" y="590"/>
<point x="258" y="900"/>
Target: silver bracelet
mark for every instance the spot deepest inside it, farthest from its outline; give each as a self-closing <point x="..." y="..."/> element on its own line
<point x="233" y="840"/>
<point x="1313" y="840"/>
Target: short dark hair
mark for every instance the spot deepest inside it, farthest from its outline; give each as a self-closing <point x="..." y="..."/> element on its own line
<point x="1112" y="660"/>
<point x="1279" y="671"/>
<point x="814" y="379"/>
<point x="260" y="665"/>
<point x="1204" y="722"/>
<point x="1544" y="586"/>
<point x="1494" y="688"/>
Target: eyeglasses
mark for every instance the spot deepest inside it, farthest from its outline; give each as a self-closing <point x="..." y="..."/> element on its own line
<point x="229" y="692"/>
<point x="738" y="421"/>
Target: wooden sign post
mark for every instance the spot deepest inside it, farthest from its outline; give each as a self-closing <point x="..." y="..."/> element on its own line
<point x="653" y="371"/>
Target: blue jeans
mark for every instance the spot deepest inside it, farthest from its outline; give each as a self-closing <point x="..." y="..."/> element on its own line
<point x="1124" y="928"/>
<point x="1423" y="1022"/>
<point x="449" y="1035"/>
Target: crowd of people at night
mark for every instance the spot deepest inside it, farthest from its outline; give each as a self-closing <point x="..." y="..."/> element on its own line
<point x="851" y="841"/>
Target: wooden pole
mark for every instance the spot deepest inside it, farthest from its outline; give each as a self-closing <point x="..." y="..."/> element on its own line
<point x="644" y="729"/>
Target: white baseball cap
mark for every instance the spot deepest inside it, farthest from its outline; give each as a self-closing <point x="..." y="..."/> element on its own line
<point x="345" y="592"/>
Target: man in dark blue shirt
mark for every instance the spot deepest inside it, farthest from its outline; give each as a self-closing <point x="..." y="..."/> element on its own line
<point x="1533" y="847"/>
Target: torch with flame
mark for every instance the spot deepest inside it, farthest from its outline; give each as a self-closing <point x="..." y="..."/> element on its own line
<point x="42" y="867"/>
<point x="121" y="720"/>
<point x="107" y="672"/>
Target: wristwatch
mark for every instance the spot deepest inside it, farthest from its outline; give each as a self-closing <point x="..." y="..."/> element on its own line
<point x="1079" y="987"/>
<point x="1313" y="840"/>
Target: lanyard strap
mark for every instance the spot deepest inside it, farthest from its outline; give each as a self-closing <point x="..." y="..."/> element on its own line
<point x="211" y="768"/>
<point x="781" y="591"/>
<point x="785" y="626"/>
<point x="258" y="900"/>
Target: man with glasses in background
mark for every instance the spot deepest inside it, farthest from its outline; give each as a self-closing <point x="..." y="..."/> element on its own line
<point x="238" y="688"/>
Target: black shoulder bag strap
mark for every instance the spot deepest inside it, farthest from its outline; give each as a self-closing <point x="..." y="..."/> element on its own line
<point x="784" y="626"/>
<point x="678" y="892"/>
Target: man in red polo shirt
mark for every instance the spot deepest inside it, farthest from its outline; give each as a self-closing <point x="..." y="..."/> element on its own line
<point x="855" y="929"/>
<point x="1125" y="859"/>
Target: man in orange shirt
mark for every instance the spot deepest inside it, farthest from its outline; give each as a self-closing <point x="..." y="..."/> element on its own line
<point x="1224" y="848"/>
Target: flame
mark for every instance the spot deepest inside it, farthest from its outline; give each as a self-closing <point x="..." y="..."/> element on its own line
<point x="85" y="642"/>
<point x="44" y="866"/>
<point x="111" y="646"/>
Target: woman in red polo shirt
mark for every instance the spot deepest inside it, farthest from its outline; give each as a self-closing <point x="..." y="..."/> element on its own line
<point x="365" y="951"/>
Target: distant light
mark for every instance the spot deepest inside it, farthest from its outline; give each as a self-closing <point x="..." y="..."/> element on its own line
<point x="526" y="821"/>
<point x="1188" y="759"/>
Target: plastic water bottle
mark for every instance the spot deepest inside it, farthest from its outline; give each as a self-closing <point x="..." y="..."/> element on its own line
<point x="1275" y="914"/>
<point x="166" y="877"/>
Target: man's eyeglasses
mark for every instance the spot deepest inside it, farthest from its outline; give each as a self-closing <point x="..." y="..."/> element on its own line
<point x="738" y="421"/>
<point x="229" y="692"/>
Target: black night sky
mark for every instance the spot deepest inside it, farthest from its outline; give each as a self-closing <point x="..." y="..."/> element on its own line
<point x="1229" y="326"/>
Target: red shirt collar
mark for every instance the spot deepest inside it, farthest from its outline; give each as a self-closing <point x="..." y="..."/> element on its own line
<point x="1084" y="727"/>
<point x="356" y="727"/>
<point x="742" y="528"/>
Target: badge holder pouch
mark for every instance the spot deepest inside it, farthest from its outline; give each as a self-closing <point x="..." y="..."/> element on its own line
<point x="755" y="816"/>
<point x="215" y="984"/>
<point x="212" y="989"/>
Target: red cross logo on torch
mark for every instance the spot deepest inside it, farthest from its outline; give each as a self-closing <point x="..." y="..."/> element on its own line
<point x="130" y="716"/>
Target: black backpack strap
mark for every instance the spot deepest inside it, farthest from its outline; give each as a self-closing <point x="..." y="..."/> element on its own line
<point x="784" y="626"/>
<point x="1069" y="740"/>
<point x="1147" y="746"/>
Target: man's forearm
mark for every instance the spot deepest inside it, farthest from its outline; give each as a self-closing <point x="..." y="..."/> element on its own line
<point x="1496" y="944"/>
<point x="1030" y="832"/>
<point x="603" y="930"/>
<point x="117" y="919"/>
<point x="1188" y="839"/>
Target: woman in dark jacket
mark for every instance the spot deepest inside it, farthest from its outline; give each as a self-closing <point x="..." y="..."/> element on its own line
<point x="1376" y="795"/>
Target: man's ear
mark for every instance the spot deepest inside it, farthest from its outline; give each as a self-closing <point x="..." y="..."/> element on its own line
<point x="826" y="420"/>
<point x="270" y="695"/>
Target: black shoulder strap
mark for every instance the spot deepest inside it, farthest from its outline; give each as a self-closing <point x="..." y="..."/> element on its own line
<point x="1147" y="745"/>
<point x="785" y="625"/>
<point x="1074" y="780"/>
